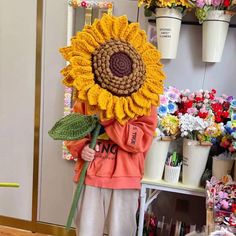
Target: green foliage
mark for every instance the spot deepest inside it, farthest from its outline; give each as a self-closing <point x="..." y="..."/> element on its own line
<point x="73" y="127"/>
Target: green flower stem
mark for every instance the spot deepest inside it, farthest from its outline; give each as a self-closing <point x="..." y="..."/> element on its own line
<point x="81" y="180"/>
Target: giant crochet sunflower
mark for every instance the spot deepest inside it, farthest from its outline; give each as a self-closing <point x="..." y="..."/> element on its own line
<point x="114" y="69"/>
<point x="116" y="72"/>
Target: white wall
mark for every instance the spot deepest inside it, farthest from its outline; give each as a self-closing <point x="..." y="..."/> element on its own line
<point x="17" y="82"/>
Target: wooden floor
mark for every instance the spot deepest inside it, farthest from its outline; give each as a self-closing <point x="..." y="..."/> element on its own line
<point x="6" y="231"/>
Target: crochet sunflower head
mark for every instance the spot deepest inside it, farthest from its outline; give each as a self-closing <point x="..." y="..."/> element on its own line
<point x="114" y="69"/>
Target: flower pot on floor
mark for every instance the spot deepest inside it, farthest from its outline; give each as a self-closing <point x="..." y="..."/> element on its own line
<point x="168" y="23"/>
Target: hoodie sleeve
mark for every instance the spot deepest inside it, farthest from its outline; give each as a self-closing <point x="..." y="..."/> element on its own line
<point x="136" y="135"/>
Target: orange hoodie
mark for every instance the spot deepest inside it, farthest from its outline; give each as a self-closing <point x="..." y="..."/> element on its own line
<point x="119" y="163"/>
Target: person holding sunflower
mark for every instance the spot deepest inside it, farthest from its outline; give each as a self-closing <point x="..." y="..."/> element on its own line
<point x="118" y="76"/>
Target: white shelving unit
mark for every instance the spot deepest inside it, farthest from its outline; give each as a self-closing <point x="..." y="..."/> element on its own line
<point x="158" y="187"/>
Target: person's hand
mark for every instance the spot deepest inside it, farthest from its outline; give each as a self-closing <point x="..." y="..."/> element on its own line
<point x="88" y="153"/>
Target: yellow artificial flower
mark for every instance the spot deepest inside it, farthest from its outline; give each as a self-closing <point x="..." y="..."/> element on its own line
<point x="165" y="3"/>
<point x="115" y="70"/>
<point x="170" y="124"/>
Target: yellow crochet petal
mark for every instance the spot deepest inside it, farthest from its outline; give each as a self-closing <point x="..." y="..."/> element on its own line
<point x="103" y="99"/>
<point x="119" y="27"/>
<point x="146" y="47"/>
<point x="104" y="26"/>
<point x="110" y="108"/>
<point x="68" y="81"/>
<point x="131" y="31"/>
<point x="148" y="94"/>
<point x="88" y="38"/>
<point x="80" y="61"/>
<point x="93" y="94"/>
<point x="80" y="83"/>
<point x="82" y="94"/>
<point x="141" y="100"/>
<point x="134" y="107"/>
<point x="155" y="88"/>
<point x="127" y="110"/>
<point x="91" y="110"/>
<point x="95" y="33"/>
<point x="151" y="57"/>
<point x="139" y="40"/>
<point x="67" y="52"/>
<point x="119" y="108"/>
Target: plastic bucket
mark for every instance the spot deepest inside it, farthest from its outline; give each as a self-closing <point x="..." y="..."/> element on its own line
<point x="221" y="168"/>
<point x="172" y="174"/>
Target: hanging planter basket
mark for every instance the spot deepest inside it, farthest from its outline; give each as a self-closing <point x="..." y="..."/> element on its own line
<point x="155" y="159"/>
<point x="168" y="23"/>
<point x="194" y="161"/>
<point x="214" y="33"/>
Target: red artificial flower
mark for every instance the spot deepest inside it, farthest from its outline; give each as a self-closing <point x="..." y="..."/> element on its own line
<point x="218" y="119"/>
<point x="216" y="107"/>
<point x="198" y="99"/>
<point x="84" y="4"/>
<point x="226" y="3"/>
<point x="226" y="105"/>
<point x="225" y="114"/>
<point x="188" y="104"/>
<point x="203" y="115"/>
<point x="211" y="96"/>
<point x="213" y="91"/>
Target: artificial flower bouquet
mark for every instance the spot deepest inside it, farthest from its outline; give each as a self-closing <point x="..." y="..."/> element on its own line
<point x="168" y="121"/>
<point x="197" y="119"/>
<point x="204" y="6"/>
<point x="150" y="5"/>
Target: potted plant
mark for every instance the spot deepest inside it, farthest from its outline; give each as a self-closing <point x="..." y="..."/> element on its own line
<point x="166" y="131"/>
<point x="215" y="16"/>
<point x="197" y="127"/>
<point x="168" y="22"/>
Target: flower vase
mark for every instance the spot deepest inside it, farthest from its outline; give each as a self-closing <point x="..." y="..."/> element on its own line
<point x="168" y="23"/>
<point x="221" y="167"/>
<point x="215" y="29"/>
<point x="194" y="161"/>
<point x="155" y="159"/>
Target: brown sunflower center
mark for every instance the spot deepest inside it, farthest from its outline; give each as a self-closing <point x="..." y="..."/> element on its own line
<point x="118" y="68"/>
<point x="121" y="64"/>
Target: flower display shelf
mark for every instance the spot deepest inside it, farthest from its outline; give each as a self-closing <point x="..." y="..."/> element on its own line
<point x="158" y="187"/>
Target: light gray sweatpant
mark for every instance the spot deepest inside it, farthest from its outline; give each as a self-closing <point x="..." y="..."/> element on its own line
<point x="108" y="211"/>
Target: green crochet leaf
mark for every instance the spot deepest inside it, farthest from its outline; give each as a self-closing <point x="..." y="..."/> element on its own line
<point x="73" y="127"/>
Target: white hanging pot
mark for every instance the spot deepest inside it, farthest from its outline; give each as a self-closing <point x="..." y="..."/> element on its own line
<point x="221" y="167"/>
<point x="194" y="161"/>
<point x="168" y="23"/>
<point x="215" y="29"/>
<point x="155" y="159"/>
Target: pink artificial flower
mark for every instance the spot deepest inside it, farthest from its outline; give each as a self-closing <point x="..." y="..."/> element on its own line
<point x="184" y="99"/>
<point x="216" y="3"/>
<point x="192" y="110"/>
<point x="220" y="99"/>
<point x="191" y="96"/>
<point x="186" y="91"/>
<point x="206" y="100"/>
<point x="203" y="109"/>
<point x="172" y="96"/>
<point x="198" y="94"/>
<point x="163" y="100"/>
